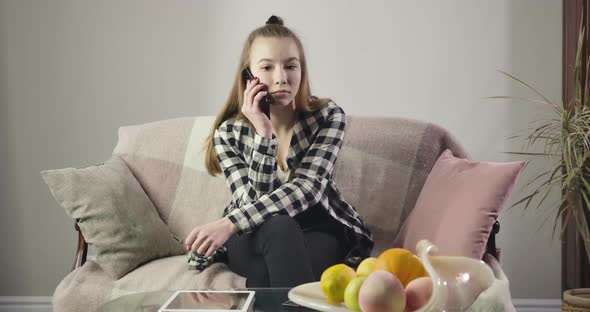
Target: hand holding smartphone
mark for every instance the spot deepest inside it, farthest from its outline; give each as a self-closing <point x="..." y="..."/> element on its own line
<point x="265" y="100"/>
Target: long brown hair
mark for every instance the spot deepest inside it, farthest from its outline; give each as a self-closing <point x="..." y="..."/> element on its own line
<point x="232" y="109"/>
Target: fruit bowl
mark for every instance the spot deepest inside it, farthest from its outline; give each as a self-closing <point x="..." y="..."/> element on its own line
<point x="459" y="284"/>
<point x="311" y="296"/>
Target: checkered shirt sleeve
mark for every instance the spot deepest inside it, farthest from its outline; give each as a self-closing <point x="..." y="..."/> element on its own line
<point x="247" y="182"/>
<point x="254" y="198"/>
<point x="262" y="171"/>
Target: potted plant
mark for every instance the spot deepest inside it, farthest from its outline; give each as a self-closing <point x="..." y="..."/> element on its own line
<point x="566" y="141"/>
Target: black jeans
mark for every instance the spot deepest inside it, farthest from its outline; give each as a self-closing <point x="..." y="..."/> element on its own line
<point x="286" y="251"/>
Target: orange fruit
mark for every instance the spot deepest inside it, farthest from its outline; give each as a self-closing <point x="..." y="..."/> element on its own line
<point x="402" y="263"/>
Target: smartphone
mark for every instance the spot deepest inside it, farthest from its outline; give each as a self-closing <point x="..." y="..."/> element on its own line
<point x="265" y="100"/>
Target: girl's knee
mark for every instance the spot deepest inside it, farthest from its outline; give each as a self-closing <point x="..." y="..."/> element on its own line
<point x="282" y="223"/>
<point x="280" y="228"/>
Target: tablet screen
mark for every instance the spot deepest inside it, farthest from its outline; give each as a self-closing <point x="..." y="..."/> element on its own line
<point x="208" y="301"/>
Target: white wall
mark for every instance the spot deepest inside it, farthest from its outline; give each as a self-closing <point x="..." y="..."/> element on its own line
<point x="72" y="72"/>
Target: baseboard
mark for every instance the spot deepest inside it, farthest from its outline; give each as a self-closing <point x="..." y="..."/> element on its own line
<point x="25" y="304"/>
<point x="537" y="305"/>
<point x="43" y="304"/>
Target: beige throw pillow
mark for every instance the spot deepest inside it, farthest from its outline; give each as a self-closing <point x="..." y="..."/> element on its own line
<point x="115" y="215"/>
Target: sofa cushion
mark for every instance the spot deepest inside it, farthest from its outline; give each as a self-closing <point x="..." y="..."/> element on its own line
<point x="168" y="160"/>
<point x="459" y="204"/>
<point x="89" y="286"/>
<point x="115" y="216"/>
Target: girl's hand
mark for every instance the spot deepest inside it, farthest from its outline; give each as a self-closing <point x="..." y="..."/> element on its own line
<point x="255" y="90"/>
<point x="205" y="239"/>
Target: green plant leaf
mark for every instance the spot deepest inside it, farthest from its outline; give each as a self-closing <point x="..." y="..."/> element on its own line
<point x="560" y="210"/>
<point x="567" y="213"/>
<point x="529" y="87"/>
<point x="537" y="177"/>
<point x="582" y="225"/>
<point x="518" y="98"/>
<point x="547" y="191"/>
<point x="577" y="85"/>
<point x="527" y="198"/>
<point x="527" y="153"/>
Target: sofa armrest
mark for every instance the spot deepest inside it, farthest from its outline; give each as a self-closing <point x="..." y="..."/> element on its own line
<point x="82" y="250"/>
<point x="491" y="244"/>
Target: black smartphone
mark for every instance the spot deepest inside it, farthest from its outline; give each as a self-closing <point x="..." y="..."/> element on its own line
<point x="265" y="100"/>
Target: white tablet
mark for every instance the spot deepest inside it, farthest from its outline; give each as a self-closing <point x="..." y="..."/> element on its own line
<point x="210" y="301"/>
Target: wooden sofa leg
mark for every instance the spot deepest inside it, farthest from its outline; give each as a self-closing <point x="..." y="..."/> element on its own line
<point x="81" y="250"/>
<point x="491" y="244"/>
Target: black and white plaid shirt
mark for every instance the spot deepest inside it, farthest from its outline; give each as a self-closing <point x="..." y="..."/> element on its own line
<point x="249" y="163"/>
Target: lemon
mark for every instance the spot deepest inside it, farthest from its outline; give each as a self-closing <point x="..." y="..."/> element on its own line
<point x="334" y="280"/>
<point x="351" y="293"/>
<point x="366" y="267"/>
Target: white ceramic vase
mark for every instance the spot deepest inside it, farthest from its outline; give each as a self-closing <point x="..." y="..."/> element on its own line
<point x="464" y="284"/>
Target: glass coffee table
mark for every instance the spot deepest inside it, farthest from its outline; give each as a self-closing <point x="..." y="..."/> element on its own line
<point x="265" y="300"/>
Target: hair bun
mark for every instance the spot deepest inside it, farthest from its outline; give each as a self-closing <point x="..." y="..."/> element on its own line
<point x="275" y="20"/>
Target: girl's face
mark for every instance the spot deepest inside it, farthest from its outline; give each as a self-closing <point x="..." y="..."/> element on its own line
<point x="275" y="61"/>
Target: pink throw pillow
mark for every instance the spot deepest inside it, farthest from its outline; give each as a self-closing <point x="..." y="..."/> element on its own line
<point x="458" y="205"/>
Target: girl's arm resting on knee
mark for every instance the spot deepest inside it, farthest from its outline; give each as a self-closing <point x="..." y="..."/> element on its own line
<point x="304" y="190"/>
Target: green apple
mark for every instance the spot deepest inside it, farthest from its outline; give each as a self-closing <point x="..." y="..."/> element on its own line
<point x="351" y="293"/>
<point x="366" y="267"/>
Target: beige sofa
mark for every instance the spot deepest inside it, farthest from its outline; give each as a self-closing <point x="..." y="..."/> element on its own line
<point x="380" y="170"/>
